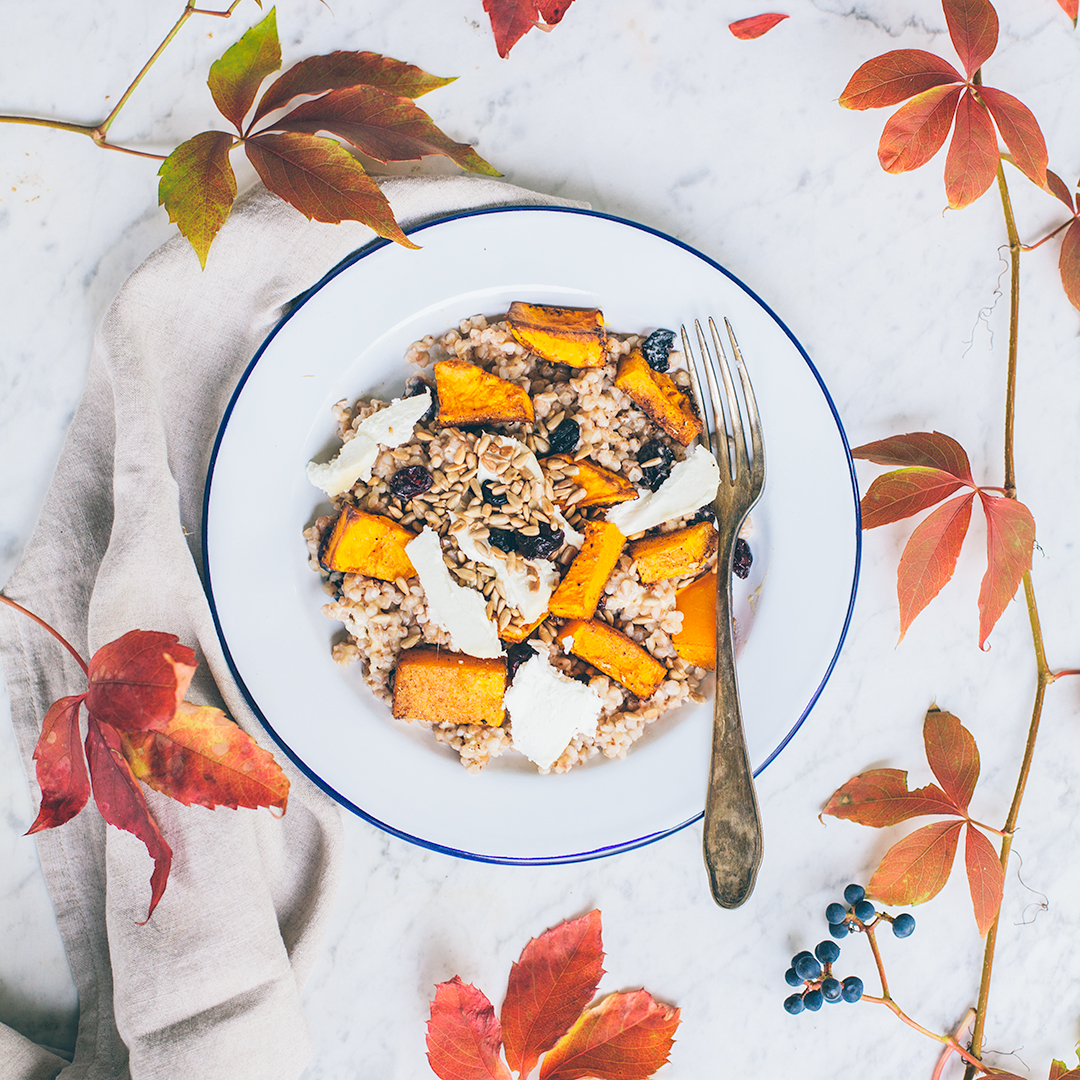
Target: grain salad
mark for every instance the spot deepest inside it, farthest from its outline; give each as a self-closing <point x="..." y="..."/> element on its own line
<point x="479" y="536"/>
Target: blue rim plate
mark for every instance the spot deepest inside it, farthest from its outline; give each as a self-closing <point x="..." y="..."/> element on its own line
<point x="347" y="336"/>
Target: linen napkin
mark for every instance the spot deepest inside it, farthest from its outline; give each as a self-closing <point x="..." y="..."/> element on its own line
<point x="210" y="987"/>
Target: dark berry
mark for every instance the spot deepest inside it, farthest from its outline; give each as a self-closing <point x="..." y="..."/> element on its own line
<point x="835" y="914"/>
<point x="414" y="387"/>
<point x="831" y="989"/>
<point x="543" y="545"/>
<point x="903" y="925"/>
<point x="807" y="966"/>
<point x="565" y="437"/>
<point x="741" y="559"/>
<point x="791" y="978"/>
<point x="794" y="1004"/>
<point x="852" y="988"/>
<point x="864" y="911"/>
<point x="839" y="930"/>
<point x="706" y="513"/>
<point x="827" y="952"/>
<point x="493" y="498"/>
<point x="656" y="348"/>
<point x="659" y="457"/>
<point x="516" y="655"/>
<point x="854" y="893"/>
<point x="503" y="539"/>
<point x="812" y="999"/>
<point x="411" y="481"/>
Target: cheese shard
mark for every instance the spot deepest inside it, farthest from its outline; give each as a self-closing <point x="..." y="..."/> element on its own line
<point x="547" y="710"/>
<point x="461" y="612"/>
<point x="390" y="427"/>
<point x="691" y="485"/>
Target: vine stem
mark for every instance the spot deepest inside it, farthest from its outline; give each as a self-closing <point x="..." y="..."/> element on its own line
<point x="55" y="633"/>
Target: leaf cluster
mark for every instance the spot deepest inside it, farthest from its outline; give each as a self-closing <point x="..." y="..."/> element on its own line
<point x="546" y="1012"/>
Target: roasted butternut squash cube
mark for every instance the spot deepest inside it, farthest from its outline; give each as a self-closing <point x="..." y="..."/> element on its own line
<point x="579" y="591"/>
<point x="674" y="554"/>
<point x="602" y="486"/>
<point x="655" y="393"/>
<point x="613" y="653"/>
<point x="369" y="544"/>
<point x="561" y="335"/>
<point x="696" y="641"/>
<point x="470" y="395"/>
<point x="449" y="688"/>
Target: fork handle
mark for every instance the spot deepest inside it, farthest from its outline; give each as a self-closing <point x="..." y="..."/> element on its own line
<point x="733" y="840"/>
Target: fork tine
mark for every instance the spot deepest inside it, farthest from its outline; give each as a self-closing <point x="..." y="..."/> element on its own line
<point x="742" y="462"/>
<point x="752" y="417"/>
<point x="721" y="449"/>
<point x="711" y="440"/>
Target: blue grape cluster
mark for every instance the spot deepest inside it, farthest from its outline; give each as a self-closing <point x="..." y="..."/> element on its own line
<point x="857" y="913"/>
<point x="812" y="971"/>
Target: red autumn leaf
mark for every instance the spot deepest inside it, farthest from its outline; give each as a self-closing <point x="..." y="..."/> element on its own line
<point x="463" y="1035"/>
<point x="985" y="878"/>
<point x="511" y="20"/>
<point x="755" y="26"/>
<point x="554" y="979"/>
<point x="929" y="557"/>
<point x="121" y="802"/>
<point x="972" y="161"/>
<point x="917" y="130"/>
<point x="1059" y="189"/>
<point x="138" y="680"/>
<point x="336" y="70"/>
<point x="1010" y="537"/>
<point x="624" y="1037"/>
<point x="894" y="77"/>
<point x="1060" y="1071"/>
<point x="202" y="757"/>
<point x="381" y="125"/>
<point x="1020" y="131"/>
<point x="973" y="27"/>
<point x="880" y="798"/>
<point x="928" y="449"/>
<point x="900" y="494"/>
<point x="322" y="180"/>
<point x="1070" y="9"/>
<point x="1069" y="263"/>
<point x="61" y="766"/>
<point x="236" y="77"/>
<point x="952" y="755"/>
<point x="552" y="11"/>
<point x="915" y="869"/>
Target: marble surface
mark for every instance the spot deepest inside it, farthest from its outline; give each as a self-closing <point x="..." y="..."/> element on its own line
<point x="651" y="110"/>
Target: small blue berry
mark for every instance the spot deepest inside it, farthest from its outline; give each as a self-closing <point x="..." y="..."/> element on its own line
<point x="835" y="914"/>
<point x="839" y="931"/>
<point x="794" y="1004"/>
<point x="807" y="967"/>
<point x="831" y="990"/>
<point x="827" y="952"/>
<point x="864" y="911"/>
<point x="903" y="925"/>
<point x="854" y="893"/>
<point x="812" y="999"/>
<point x="791" y="978"/>
<point x="852" y="988"/>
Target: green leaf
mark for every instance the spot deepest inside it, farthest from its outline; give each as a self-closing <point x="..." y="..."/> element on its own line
<point x="198" y="188"/>
<point x="323" y="181"/>
<point x="236" y="77"/>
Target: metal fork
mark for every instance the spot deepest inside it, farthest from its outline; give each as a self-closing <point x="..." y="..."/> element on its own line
<point x="732" y="820"/>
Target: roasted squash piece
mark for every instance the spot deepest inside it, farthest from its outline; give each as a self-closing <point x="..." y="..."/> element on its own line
<point x="655" y="393"/>
<point x="449" y="688"/>
<point x="515" y="632"/>
<point x="369" y="544"/>
<point x="579" y="591"/>
<point x="561" y="335"/>
<point x="674" y="554"/>
<point x="602" y="486"/>
<point x="470" y="395"/>
<point x="614" y="654"/>
<point x="696" y="641"/>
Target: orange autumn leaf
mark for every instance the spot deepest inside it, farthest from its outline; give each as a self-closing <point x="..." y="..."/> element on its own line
<point x="1020" y="131"/>
<point x="1069" y="263"/>
<point x="1070" y="9"/>
<point x="61" y="766"/>
<point x="755" y="25"/>
<point x="923" y="449"/>
<point x="880" y="797"/>
<point x="952" y="756"/>
<point x="986" y="879"/>
<point x="511" y="20"/>
<point x="896" y="76"/>
<point x="972" y="161"/>
<point x="897" y="495"/>
<point x="916" y="868"/>
<point x="918" y="129"/>
<point x="973" y="28"/>
<point x="1010" y="538"/>
<point x="463" y="1034"/>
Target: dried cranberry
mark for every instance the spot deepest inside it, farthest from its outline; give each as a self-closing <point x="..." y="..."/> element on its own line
<point x="503" y="539"/>
<point x="411" y="481"/>
<point x="565" y="437"/>
<point x="652" y="476"/>
<point x="414" y="387"/>
<point x="741" y="558"/>
<point x="656" y="348"/>
<point x="516" y="655"/>
<point x="543" y="545"/>
<point x="493" y="498"/>
<point x="705" y="513"/>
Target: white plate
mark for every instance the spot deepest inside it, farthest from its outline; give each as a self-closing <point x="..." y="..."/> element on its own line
<point x="347" y="336"/>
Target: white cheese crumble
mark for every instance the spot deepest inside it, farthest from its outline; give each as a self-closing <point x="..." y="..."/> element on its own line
<point x="547" y="710"/>
<point x="461" y="612"/>
<point x="390" y="427"/>
<point x="692" y="484"/>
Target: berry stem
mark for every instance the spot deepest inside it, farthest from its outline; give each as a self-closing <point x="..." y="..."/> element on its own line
<point x="869" y="931"/>
<point x="55" y="633"/>
<point x="950" y="1041"/>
